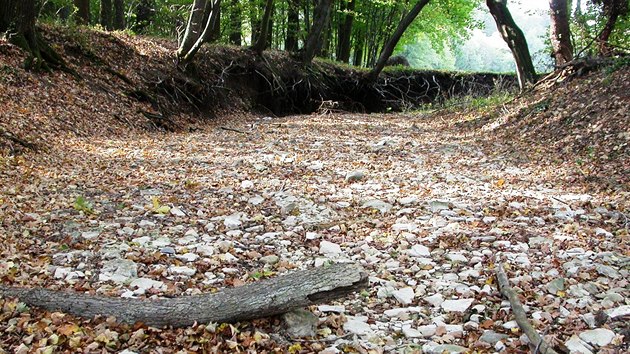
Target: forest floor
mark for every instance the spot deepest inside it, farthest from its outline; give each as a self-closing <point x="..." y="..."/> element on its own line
<point x="427" y="202"/>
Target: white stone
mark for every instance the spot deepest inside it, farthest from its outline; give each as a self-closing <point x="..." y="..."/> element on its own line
<point x="419" y="251"/>
<point x="457" y="257"/>
<point x="357" y="325"/>
<point x="146" y="283"/>
<point x="599" y="336"/>
<point x="354" y="176"/>
<point x="379" y="205"/>
<point x="188" y="257"/>
<point x="329" y="248"/>
<point x="619" y="311"/>
<point x="182" y="270"/>
<point x="233" y="222"/>
<point x="62" y="272"/>
<point x="256" y="200"/>
<point x="576" y="345"/>
<point x="404" y="296"/>
<point x="411" y="333"/>
<point x="329" y="308"/>
<point x="460" y="305"/>
<point x="435" y="300"/>
<point x="311" y="235"/>
<point x="428" y="330"/>
<point x="247" y="184"/>
<point x="205" y="250"/>
<point x="90" y="235"/>
<point x="118" y="270"/>
<point x="408" y="200"/>
<point x="177" y="211"/>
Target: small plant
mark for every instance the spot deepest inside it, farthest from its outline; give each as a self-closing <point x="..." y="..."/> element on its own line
<point x="261" y="274"/>
<point x="159" y="208"/>
<point x="82" y="204"/>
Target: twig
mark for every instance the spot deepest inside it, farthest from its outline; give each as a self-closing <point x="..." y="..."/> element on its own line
<point x="519" y="313"/>
<point x="233" y="130"/>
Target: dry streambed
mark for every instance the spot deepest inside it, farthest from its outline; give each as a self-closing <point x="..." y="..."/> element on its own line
<point x="422" y="208"/>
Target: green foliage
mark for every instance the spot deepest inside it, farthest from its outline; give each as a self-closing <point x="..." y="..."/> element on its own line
<point x="82" y="204"/>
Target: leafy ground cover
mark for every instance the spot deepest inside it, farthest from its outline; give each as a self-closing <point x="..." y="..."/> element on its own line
<point x="428" y="203"/>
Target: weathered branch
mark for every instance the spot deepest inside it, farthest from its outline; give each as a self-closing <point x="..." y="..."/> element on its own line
<point x="519" y="313"/>
<point x="257" y="300"/>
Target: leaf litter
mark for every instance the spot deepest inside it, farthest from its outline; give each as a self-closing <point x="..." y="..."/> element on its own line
<point x="426" y="202"/>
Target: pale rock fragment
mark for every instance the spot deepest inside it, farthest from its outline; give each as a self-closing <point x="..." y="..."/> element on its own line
<point x="329" y="248"/>
<point x="404" y="296"/>
<point x="460" y="305"/>
<point x="598" y="336"/>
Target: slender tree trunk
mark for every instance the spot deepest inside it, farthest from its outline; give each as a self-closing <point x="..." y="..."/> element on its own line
<point x="106" y="14"/>
<point x="17" y="23"/>
<point x="215" y="32"/>
<point x="193" y="28"/>
<point x="560" y="32"/>
<point x="212" y="12"/>
<point x="612" y="10"/>
<point x="119" y="14"/>
<point x="321" y="13"/>
<point x="388" y="49"/>
<point x="236" y="22"/>
<point x="144" y="15"/>
<point x="261" y="42"/>
<point x="358" y="50"/>
<point x="515" y="39"/>
<point x="345" y="33"/>
<point x="83" y="11"/>
<point x="254" y="19"/>
<point x="293" y="26"/>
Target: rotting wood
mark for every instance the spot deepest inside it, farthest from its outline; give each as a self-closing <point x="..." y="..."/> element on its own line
<point x="536" y="341"/>
<point x="264" y="298"/>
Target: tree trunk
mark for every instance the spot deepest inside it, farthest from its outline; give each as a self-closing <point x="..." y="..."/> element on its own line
<point x="261" y="42"/>
<point x="119" y="15"/>
<point x="515" y="39"/>
<point x="388" y="49"/>
<point x="215" y="32"/>
<point x="83" y="11"/>
<point x="236" y="22"/>
<point x="345" y="33"/>
<point x="257" y="300"/>
<point x="106" y="14"/>
<point x="193" y="28"/>
<point x="612" y="9"/>
<point x="293" y="26"/>
<point x="212" y="10"/>
<point x="321" y="13"/>
<point x="17" y="21"/>
<point x="144" y="15"/>
<point x="560" y="32"/>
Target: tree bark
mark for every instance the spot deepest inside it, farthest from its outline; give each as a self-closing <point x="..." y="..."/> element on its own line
<point x="257" y="300"/>
<point x="236" y="22"/>
<point x="145" y="9"/>
<point x="212" y="9"/>
<point x="388" y="49"/>
<point x="293" y="26"/>
<point x="612" y="9"/>
<point x="17" y="20"/>
<point x="119" y="15"/>
<point x="193" y="28"/>
<point x="560" y="32"/>
<point x="321" y="14"/>
<point x="83" y="11"/>
<point x="515" y="39"/>
<point x="345" y="33"/>
<point x="261" y="42"/>
<point x="106" y="14"/>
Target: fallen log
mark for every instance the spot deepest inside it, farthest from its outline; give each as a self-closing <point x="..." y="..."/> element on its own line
<point x="536" y="341"/>
<point x="256" y="300"/>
